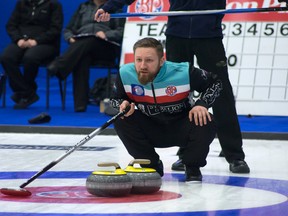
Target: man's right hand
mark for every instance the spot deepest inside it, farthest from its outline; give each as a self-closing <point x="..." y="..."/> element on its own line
<point x="71" y="40"/>
<point x="22" y="44"/>
<point x="102" y="16"/>
<point x="124" y="105"/>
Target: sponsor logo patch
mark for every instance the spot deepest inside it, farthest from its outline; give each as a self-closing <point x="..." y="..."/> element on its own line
<point x="171" y="90"/>
<point x="137" y="90"/>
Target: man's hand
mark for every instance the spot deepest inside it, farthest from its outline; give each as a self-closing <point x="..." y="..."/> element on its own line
<point x="71" y="40"/>
<point x="200" y="115"/>
<point x="101" y="35"/>
<point x="21" y="43"/>
<point x="125" y="104"/>
<point x="101" y="16"/>
<point x="26" y="43"/>
<point x="31" y="43"/>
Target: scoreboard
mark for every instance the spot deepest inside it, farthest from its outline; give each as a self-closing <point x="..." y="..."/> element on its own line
<point x="256" y="47"/>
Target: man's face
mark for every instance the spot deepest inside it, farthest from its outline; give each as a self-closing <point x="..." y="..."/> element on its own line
<point x="147" y="64"/>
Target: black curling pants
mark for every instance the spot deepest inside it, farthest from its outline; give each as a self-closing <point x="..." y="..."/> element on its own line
<point x="78" y="59"/>
<point x="30" y="59"/>
<point x="141" y="135"/>
<point x="211" y="56"/>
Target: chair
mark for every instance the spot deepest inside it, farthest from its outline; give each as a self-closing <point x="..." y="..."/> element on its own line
<point x="3" y="89"/>
<point x="48" y="76"/>
<point x="44" y="64"/>
<point x="110" y="65"/>
<point x="47" y="87"/>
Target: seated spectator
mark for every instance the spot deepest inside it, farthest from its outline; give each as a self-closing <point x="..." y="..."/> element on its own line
<point x="35" y="29"/>
<point x="89" y="41"/>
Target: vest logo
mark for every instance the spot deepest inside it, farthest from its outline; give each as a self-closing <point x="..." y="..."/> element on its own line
<point x="171" y="90"/>
<point x="137" y="90"/>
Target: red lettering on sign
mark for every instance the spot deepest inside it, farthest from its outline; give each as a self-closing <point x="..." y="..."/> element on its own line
<point x="143" y="6"/>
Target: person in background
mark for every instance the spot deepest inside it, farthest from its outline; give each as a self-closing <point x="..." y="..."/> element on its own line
<point x="35" y="29"/>
<point x="165" y="115"/>
<point x="89" y="41"/>
<point x="201" y="36"/>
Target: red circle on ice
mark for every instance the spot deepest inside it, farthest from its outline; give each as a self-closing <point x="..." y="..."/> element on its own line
<point x="80" y="195"/>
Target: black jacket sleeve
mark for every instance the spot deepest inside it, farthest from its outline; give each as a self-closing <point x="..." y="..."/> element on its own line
<point x="207" y="84"/>
<point x="13" y="23"/>
<point x="118" y="93"/>
<point x="111" y="6"/>
<point x="117" y="30"/>
<point x="71" y="29"/>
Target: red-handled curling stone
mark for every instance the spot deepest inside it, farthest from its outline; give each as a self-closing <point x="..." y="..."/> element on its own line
<point x="109" y="183"/>
<point x="144" y="180"/>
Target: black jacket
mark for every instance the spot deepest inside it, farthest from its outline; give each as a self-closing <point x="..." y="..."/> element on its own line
<point x="200" y="26"/>
<point x="112" y="6"/>
<point x="41" y="21"/>
<point x="169" y="93"/>
<point x="82" y="22"/>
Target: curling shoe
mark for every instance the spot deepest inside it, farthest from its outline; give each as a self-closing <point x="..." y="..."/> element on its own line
<point x="26" y="102"/>
<point x="178" y="165"/>
<point x="239" y="166"/>
<point x="192" y="174"/>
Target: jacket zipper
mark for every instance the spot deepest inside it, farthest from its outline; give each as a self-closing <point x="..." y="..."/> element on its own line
<point x="156" y="104"/>
<point x="153" y="92"/>
<point x="154" y="96"/>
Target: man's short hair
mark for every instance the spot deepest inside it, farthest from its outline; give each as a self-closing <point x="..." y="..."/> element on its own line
<point x="150" y="42"/>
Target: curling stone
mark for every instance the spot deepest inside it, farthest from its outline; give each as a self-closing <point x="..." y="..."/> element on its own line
<point x="115" y="183"/>
<point x="144" y="180"/>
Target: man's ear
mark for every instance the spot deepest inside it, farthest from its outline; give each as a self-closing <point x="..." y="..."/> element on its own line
<point x="162" y="60"/>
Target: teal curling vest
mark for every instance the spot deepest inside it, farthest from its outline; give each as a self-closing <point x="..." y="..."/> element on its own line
<point x="168" y="93"/>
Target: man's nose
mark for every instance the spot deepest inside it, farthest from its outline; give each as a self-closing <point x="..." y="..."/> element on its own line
<point x="143" y="64"/>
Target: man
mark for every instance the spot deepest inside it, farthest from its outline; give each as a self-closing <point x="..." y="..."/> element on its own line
<point x="89" y="41"/>
<point x="165" y="116"/>
<point x="34" y="27"/>
<point x="201" y="36"/>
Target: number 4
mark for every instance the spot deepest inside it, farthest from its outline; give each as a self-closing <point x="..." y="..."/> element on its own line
<point x="253" y="29"/>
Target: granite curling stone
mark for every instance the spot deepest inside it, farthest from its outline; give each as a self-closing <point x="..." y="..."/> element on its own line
<point x="109" y="183"/>
<point x="144" y="180"/>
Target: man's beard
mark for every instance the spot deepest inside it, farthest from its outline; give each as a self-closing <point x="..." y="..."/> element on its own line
<point x="145" y="79"/>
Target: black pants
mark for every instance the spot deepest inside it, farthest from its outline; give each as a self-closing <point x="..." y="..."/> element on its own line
<point x="141" y="135"/>
<point x="211" y="56"/>
<point x="12" y="56"/>
<point x="78" y="58"/>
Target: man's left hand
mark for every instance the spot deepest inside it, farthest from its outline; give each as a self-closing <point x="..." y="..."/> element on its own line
<point x="31" y="43"/>
<point x="200" y="115"/>
<point x="101" y="35"/>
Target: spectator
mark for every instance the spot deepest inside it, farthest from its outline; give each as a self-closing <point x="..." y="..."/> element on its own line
<point x="88" y="41"/>
<point x="35" y="28"/>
